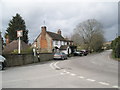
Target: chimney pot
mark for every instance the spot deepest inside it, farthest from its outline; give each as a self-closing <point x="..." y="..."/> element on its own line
<point x="7" y="39"/>
<point x="59" y="31"/>
<point x="43" y="28"/>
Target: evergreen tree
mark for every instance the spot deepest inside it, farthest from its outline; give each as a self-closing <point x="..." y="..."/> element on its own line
<point x="116" y="47"/>
<point x="17" y="23"/>
<point x="117" y="50"/>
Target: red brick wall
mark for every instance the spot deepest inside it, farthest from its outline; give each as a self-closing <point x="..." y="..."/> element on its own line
<point x="43" y="41"/>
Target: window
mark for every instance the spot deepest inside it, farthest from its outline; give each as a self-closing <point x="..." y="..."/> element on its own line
<point x="64" y="43"/>
<point x="56" y="42"/>
<point x="60" y="42"/>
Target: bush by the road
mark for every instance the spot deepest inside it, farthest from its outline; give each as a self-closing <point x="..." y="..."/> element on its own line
<point x="116" y="47"/>
<point x="25" y="51"/>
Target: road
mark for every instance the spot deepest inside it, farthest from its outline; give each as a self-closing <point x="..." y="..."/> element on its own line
<point x="92" y="71"/>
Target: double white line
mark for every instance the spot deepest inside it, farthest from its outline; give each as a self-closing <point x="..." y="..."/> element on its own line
<point x="54" y="65"/>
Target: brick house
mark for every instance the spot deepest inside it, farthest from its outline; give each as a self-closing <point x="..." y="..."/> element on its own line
<point x="50" y="42"/>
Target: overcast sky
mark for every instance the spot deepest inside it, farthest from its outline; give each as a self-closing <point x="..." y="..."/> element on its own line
<point x="64" y="15"/>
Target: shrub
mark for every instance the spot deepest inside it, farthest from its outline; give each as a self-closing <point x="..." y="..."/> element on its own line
<point x="25" y="51"/>
<point x="116" y="47"/>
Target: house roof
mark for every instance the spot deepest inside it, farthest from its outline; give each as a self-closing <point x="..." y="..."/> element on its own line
<point x="55" y="36"/>
<point x="14" y="46"/>
<point x="63" y="47"/>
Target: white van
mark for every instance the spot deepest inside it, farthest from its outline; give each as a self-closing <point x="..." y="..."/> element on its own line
<point x="2" y="62"/>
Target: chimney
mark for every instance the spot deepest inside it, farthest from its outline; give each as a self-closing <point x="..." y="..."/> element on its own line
<point x="59" y="31"/>
<point x="43" y="29"/>
<point x="7" y="40"/>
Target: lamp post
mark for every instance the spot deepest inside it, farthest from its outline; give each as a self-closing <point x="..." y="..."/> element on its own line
<point x="19" y="34"/>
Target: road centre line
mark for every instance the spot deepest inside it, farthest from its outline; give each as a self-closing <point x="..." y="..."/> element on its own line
<point x="104" y="83"/>
<point x="67" y="72"/>
<point x="72" y="74"/>
<point x="91" y="80"/>
<point x="81" y="77"/>
<point x="54" y="66"/>
<point x="62" y="73"/>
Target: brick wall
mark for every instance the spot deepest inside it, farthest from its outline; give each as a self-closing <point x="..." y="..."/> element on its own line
<point x="23" y="59"/>
<point x="49" y="42"/>
<point x="46" y="56"/>
<point x="43" y="41"/>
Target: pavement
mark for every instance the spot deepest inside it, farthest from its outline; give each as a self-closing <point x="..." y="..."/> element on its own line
<point x="92" y="71"/>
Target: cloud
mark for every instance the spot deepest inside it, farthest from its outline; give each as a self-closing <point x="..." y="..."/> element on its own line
<point x="62" y="15"/>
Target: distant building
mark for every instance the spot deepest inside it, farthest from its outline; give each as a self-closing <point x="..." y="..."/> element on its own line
<point x="51" y="42"/>
<point x="0" y="44"/>
<point x="107" y="45"/>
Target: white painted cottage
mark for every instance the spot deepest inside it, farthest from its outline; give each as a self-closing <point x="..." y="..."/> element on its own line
<point x="51" y="42"/>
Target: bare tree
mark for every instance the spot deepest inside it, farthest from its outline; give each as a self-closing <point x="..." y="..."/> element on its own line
<point x="91" y="33"/>
<point x="76" y="38"/>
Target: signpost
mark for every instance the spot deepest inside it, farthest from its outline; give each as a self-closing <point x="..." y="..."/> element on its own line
<point x="19" y="34"/>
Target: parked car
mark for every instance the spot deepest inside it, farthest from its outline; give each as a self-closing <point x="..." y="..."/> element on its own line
<point x="60" y="55"/>
<point x="2" y="62"/>
<point x="84" y="52"/>
<point x="78" y="53"/>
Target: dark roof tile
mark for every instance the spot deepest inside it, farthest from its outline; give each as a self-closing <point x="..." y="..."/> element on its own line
<point x="55" y="36"/>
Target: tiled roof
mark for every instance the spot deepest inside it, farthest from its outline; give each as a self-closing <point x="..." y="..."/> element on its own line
<point x="14" y="46"/>
<point x="55" y="36"/>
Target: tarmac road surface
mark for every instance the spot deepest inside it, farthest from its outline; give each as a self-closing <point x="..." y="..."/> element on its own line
<point x="92" y="71"/>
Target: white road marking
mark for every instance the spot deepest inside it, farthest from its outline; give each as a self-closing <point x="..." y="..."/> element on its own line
<point x="55" y="64"/>
<point x="93" y="62"/>
<point x="62" y="73"/>
<point x="67" y="72"/>
<point x="91" y="80"/>
<point x="115" y="86"/>
<point x="104" y="83"/>
<point x="51" y="65"/>
<point x="81" y="77"/>
<point x="72" y="74"/>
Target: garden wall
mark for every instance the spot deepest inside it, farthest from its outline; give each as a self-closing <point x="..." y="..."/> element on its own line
<point x="23" y="59"/>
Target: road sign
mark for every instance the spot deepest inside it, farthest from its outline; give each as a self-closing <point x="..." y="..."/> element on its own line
<point x="20" y="33"/>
